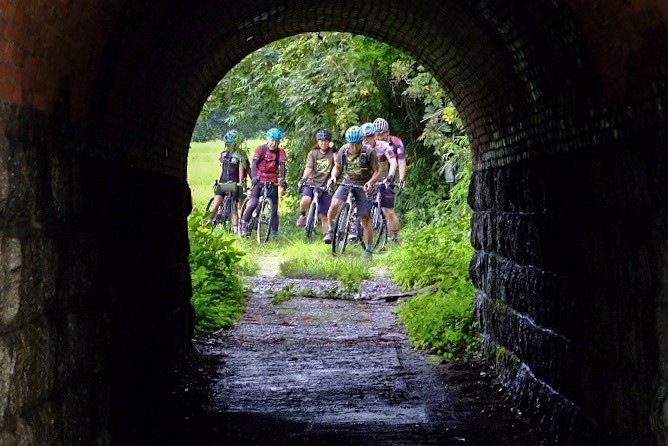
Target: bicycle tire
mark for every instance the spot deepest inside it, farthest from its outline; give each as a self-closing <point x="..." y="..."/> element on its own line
<point x="224" y="217"/>
<point x="341" y="229"/>
<point x="207" y="212"/>
<point x="251" y="222"/>
<point x="311" y="219"/>
<point x="264" y="220"/>
<point x="380" y="234"/>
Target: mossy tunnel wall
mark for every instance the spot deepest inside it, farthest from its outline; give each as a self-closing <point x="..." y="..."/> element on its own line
<point x="565" y="103"/>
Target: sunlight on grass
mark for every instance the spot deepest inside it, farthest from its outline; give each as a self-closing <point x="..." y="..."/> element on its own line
<point x="315" y="260"/>
<point x="204" y="169"/>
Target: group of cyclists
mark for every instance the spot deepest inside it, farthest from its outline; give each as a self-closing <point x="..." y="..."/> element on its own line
<point x="370" y="155"/>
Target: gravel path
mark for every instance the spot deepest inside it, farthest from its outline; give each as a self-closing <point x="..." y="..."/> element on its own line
<point x="316" y="371"/>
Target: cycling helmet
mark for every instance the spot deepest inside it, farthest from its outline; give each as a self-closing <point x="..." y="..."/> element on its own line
<point x="230" y="137"/>
<point x="354" y="134"/>
<point x="274" y="133"/>
<point x="368" y="129"/>
<point x="324" y="134"/>
<point x="380" y="125"/>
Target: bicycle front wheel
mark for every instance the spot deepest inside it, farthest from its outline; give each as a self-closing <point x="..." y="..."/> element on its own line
<point x="311" y="220"/>
<point x="341" y="229"/>
<point x="380" y="233"/>
<point x="207" y="213"/>
<point x="225" y="214"/>
<point x="264" y="220"/>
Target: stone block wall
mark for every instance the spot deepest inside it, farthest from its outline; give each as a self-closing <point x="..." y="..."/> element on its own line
<point x="94" y="286"/>
<point x="569" y="270"/>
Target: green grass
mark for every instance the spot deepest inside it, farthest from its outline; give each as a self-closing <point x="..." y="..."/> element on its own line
<point x="204" y="169"/>
<point x="315" y="260"/>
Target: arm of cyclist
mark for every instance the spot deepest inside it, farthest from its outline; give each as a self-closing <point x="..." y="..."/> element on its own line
<point x="307" y="173"/>
<point x="336" y="170"/>
<point x="392" y="171"/>
<point x="255" y="169"/>
<point x="283" y="183"/>
<point x="368" y="186"/>
<point x="402" y="173"/>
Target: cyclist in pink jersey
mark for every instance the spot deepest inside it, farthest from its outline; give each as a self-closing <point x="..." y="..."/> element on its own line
<point x="382" y="132"/>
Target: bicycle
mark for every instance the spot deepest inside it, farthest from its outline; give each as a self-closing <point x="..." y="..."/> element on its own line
<point x="312" y="214"/>
<point x="262" y="216"/>
<point x="345" y="220"/>
<point x="378" y="219"/>
<point x="223" y="216"/>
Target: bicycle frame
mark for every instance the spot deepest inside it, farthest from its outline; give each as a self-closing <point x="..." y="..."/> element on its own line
<point x="264" y="213"/>
<point x="223" y="214"/>
<point x="344" y="220"/>
<point x="378" y="219"/>
<point x="312" y="215"/>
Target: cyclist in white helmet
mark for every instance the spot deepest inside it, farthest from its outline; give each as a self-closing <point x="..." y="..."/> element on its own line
<point x="382" y="132"/>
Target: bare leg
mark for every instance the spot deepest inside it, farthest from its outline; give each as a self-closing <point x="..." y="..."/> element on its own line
<point x="305" y="203"/>
<point x="368" y="230"/>
<point x="392" y="220"/>
<point x="333" y="209"/>
<point x="217" y="201"/>
<point x="325" y="223"/>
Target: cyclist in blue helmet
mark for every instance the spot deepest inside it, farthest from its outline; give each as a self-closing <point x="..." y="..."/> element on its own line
<point x="232" y="170"/>
<point x="382" y="131"/>
<point x="319" y="164"/>
<point x="274" y="134"/>
<point x="388" y="166"/>
<point x="230" y="137"/>
<point x="358" y="163"/>
<point x="268" y="165"/>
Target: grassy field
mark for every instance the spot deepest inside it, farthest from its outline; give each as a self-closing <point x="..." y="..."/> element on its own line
<point x="203" y="168"/>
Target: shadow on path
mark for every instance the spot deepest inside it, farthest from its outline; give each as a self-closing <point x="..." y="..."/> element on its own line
<point x="315" y="371"/>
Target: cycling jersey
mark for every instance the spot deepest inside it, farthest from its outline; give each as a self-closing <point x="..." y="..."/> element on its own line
<point x="384" y="152"/>
<point x="398" y="147"/>
<point x="268" y="162"/>
<point x="229" y="165"/>
<point x="321" y="166"/>
<point x="358" y="168"/>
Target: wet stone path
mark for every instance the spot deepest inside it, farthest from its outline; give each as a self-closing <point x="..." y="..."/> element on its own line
<point x="317" y="371"/>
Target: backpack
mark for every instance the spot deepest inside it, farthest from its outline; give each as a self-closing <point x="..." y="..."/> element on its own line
<point x="363" y="156"/>
<point x="264" y="152"/>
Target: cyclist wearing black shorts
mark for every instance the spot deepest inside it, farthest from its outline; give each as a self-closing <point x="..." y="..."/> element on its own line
<point x="359" y="164"/>
<point x="268" y="165"/>
<point x="232" y="169"/>
<point x="319" y="164"/>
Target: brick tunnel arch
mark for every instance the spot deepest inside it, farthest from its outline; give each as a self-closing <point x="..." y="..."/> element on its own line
<point x="568" y="129"/>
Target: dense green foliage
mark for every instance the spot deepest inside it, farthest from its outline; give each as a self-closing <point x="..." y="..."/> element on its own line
<point x="439" y="254"/>
<point x="334" y="80"/>
<point x="218" y="292"/>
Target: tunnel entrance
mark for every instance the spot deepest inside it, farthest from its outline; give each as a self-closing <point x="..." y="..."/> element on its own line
<point x="566" y="117"/>
<point x="308" y="392"/>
